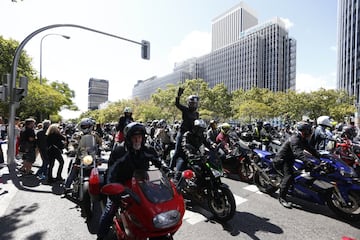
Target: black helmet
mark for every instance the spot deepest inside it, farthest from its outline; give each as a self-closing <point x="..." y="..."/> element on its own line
<point x="132" y="129"/>
<point x="304" y="127"/>
<point x="193" y="101"/>
<point x="86" y="125"/>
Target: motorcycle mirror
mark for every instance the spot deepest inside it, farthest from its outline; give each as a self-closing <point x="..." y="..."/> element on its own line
<point x="113" y="189"/>
<point x="187" y="174"/>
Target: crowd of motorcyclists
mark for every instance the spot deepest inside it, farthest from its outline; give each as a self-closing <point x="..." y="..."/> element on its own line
<point x="133" y="145"/>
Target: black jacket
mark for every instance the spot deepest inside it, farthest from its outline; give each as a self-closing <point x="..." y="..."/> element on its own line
<point x="123" y="168"/>
<point x="293" y="149"/>
<point x="188" y="116"/>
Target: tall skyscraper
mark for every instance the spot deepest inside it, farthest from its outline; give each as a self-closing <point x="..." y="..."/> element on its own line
<point x="348" y="61"/>
<point x="98" y="92"/>
<point x="227" y="27"/>
<point x="261" y="56"/>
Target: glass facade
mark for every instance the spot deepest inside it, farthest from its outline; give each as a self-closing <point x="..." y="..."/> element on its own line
<point x="263" y="56"/>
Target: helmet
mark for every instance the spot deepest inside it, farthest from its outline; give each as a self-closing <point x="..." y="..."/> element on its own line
<point x="193" y="102"/>
<point x="199" y="127"/>
<point x="86" y="125"/>
<point x="324" y="121"/>
<point x="225" y="128"/>
<point x="304" y="127"/>
<point x="259" y="123"/>
<point x="161" y="123"/>
<point x="127" y="110"/>
<point x="132" y="129"/>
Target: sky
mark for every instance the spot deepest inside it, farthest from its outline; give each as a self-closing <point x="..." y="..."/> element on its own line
<point x="177" y="30"/>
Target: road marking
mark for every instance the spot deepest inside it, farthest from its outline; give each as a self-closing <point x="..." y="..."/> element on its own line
<point x="194" y="217"/>
<point x="252" y="188"/>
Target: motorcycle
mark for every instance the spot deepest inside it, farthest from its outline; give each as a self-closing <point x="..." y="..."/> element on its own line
<point x="331" y="182"/>
<point x="88" y="175"/>
<point x="349" y="152"/>
<point x="238" y="161"/>
<point x="150" y="206"/>
<point x="205" y="187"/>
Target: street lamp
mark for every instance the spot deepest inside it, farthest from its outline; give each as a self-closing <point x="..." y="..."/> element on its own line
<point x="41" y="41"/>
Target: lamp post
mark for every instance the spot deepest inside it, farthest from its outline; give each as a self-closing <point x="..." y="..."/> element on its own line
<point x="41" y="41"/>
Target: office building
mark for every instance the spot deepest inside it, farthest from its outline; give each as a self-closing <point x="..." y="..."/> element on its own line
<point x="98" y="93"/>
<point x="263" y="56"/>
<point x="227" y="27"/>
<point x="348" y="61"/>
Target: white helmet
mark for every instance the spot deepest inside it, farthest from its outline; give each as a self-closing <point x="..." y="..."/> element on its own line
<point x="324" y="121"/>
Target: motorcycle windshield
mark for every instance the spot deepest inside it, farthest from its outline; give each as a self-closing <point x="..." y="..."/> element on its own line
<point x="87" y="145"/>
<point x="155" y="186"/>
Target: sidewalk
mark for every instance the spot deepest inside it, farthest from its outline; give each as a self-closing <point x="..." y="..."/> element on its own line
<point x="11" y="181"/>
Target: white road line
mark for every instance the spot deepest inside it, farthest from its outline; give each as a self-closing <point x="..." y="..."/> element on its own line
<point x="194" y="218"/>
<point x="253" y="188"/>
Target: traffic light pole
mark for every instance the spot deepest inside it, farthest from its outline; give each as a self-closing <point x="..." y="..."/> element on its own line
<point x="145" y="53"/>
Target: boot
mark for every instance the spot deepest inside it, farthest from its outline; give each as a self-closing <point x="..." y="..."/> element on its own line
<point x="282" y="199"/>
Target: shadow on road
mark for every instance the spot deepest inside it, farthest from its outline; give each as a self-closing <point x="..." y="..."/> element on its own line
<point x="14" y="220"/>
<point x="250" y="226"/>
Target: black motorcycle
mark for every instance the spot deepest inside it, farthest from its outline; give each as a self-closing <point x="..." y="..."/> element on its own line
<point x="204" y="186"/>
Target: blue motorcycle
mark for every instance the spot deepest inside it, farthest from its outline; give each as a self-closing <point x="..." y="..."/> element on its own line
<point x="331" y="182"/>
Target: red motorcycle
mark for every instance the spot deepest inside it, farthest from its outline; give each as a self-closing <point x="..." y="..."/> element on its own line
<point x="349" y="152"/>
<point x="150" y="207"/>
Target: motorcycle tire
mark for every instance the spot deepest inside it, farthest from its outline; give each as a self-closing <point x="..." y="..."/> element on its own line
<point x="350" y="213"/>
<point x="262" y="184"/>
<point x="246" y="172"/>
<point x="225" y="207"/>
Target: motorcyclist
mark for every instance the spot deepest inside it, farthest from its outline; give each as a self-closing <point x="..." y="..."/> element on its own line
<point x="189" y="115"/>
<point x="123" y="121"/>
<point x="223" y="138"/>
<point x="293" y="149"/>
<point x="129" y="156"/>
<point x="321" y="138"/>
<point x="212" y="133"/>
<point x="86" y="126"/>
<point x="265" y="135"/>
<point x="163" y="133"/>
<point x="193" y="144"/>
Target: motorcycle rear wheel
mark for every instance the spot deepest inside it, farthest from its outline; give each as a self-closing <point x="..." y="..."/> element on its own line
<point x="263" y="185"/>
<point x="225" y="207"/>
<point x="246" y="172"/>
<point x="351" y="213"/>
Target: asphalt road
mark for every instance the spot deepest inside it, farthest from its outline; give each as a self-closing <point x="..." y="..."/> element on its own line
<point x="30" y="210"/>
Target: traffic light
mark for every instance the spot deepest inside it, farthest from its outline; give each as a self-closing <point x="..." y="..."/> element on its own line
<point x="145" y="49"/>
<point x="22" y="91"/>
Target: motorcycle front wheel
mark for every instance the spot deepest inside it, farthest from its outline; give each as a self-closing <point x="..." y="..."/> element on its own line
<point x="350" y="212"/>
<point x="262" y="184"/>
<point x="223" y="207"/>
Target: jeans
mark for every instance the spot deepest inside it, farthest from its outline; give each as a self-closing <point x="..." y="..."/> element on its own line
<point x="107" y="218"/>
<point x="43" y="170"/>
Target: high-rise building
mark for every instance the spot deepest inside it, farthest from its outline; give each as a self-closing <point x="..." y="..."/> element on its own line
<point x="348" y="61"/>
<point x="261" y="56"/>
<point x="98" y="93"/>
<point x="227" y="27"/>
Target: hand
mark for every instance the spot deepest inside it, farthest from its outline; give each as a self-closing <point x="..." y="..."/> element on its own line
<point x="180" y="91"/>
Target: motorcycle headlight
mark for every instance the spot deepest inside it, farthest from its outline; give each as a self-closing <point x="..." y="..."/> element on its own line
<point x="87" y="160"/>
<point x="350" y="173"/>
<point x="166" y="219"/>
<point x="216" y="173"/>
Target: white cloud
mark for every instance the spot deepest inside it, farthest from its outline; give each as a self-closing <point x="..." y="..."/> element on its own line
<point x="288" y="24"/>
<point x="195" y="44"/>
<point x="307" y="83"/>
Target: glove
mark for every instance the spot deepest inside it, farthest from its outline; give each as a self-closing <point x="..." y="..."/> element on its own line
<point x="309" y="165"/>
<point x="180" y="91"/>
<point x="165" y="169"/>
